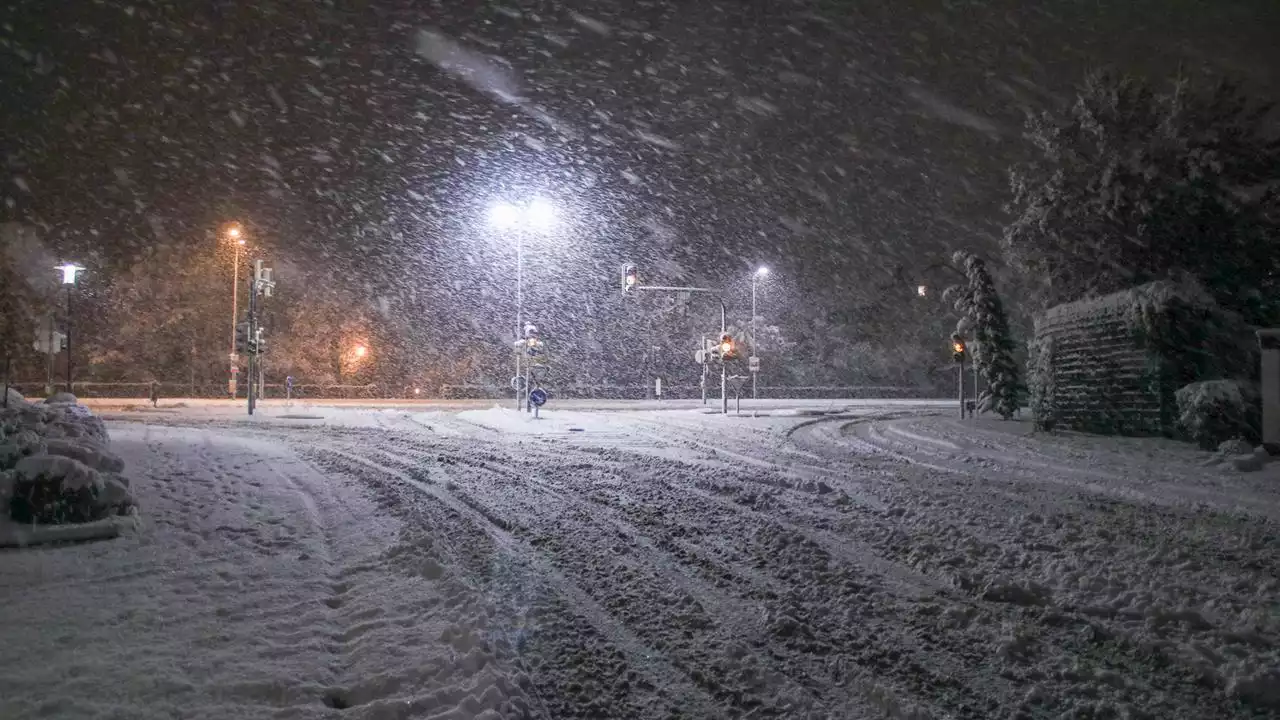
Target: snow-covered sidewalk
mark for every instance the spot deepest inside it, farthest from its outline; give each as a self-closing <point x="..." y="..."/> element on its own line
<point x="254" y="589"/>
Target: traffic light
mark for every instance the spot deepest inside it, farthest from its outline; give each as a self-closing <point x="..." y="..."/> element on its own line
<point x="629" y="279"/>
<point x="728" y="348"/>
<point x="958" y="350"/>
<point x="259" y="344"/>
<point x="242" y="338"/>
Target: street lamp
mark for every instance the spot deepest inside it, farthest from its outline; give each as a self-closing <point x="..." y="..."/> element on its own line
<point x="755" y="344"/>
<point x="69" y="272"/>
<point x="534" y="215"/>
<point x="235" y="235"/>
<point x="361" y="351"/>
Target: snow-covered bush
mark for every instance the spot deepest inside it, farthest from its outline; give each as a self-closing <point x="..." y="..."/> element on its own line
<point x="55" y="465"/>
<point x="1214" y="411"/>
<point x="1197" y="340"/>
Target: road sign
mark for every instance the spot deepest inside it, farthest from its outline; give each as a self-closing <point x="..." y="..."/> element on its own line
<point x="538" y="397"/>
<point x="42" y="345"/>
<point x="288" y="382"/>
<point x="700" y="357"/>
<point x="657" y="387"/>
<point x="517" y="382"/>
<point x="753" y="364"/>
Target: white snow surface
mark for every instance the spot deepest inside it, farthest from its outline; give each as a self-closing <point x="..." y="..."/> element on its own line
<point x="878" y="560"/>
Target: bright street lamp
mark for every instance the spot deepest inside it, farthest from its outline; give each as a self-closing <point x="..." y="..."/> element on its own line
<point x="69" y="271"/>
<point x="534" y="215"/>
<point x="755" y="344"/>
<point x="235" y="234"/>
<point x="361" y="351"/>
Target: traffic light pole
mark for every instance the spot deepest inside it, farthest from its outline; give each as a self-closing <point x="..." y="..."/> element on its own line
<point x="252" y="351"/>
<point x="704" y="370"/>
<point x="960" y="382"/>
<point x="724" y="374"/>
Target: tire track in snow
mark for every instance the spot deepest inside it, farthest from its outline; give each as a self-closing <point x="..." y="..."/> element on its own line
<point x="578" y="632"/>
<point x="800" y="658"/>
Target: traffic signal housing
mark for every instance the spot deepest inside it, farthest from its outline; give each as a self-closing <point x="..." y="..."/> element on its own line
<point x="727" y="349"/>
<point x="959" y="352"/>
<point x="242" y="338"/>
<point x="630" y="280"/>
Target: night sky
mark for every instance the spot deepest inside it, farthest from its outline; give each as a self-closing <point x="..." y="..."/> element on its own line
<point x="835" y="140"/>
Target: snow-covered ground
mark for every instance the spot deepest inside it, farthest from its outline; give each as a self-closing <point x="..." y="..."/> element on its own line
<point x="846" y="560"/>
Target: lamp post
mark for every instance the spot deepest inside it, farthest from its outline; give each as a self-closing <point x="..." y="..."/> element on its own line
<point x="69" y="272"/>
<point x="755" y="277"/>
<point x="537" y="215"/>
<point x="237" y="243"/>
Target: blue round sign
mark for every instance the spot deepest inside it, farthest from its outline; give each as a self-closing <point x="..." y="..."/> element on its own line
<point x="538" y="396"/>
<point x="288" y="381"/>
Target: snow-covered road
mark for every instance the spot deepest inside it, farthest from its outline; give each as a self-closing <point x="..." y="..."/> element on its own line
<point x="874" y="562"/>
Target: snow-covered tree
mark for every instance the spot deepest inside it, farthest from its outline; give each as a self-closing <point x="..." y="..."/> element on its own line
<point x="1133" y="186"/>
<point x="983" y="316"/>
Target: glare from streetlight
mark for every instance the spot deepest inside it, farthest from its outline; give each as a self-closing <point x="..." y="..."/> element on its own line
<point x="540" y="214"/>
<point x="69" y="271"/>
<point x="762" y="271"/>
<point x="361" y="351"/>
<point x="233" y="232"/>
<point x="537" y="214"/>
<point x="504" y="215"/>
<point x="922" y="290"/>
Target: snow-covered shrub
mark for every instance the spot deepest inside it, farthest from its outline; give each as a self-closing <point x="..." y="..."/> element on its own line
<point x="1213" y="411"/>
<point x="14" y="398"/>
<point x="51" y="489"/>
<point x="55" y="467"/>
<point x="1195" y="338"/>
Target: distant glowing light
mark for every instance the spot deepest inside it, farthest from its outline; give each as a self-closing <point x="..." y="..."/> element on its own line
<point x="417" y="391"/>
<point x="922" y="290"/>
<point x="361" y="351"/>
<point x="233" y="232"/>
<point x="762" y="271"/>
<point x="69" y="271"/>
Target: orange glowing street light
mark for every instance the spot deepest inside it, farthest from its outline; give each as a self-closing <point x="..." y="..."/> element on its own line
<point x="361" y="351"/>
<point x="234" y="233"/>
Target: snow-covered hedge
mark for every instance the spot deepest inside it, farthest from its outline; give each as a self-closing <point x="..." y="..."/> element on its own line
<point x="56" y="468"/>
<point x="1113" y="364"/>
<point x="1215" y="411"/>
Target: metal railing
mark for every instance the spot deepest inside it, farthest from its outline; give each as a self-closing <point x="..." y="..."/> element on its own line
<point x="374" y="391"/>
